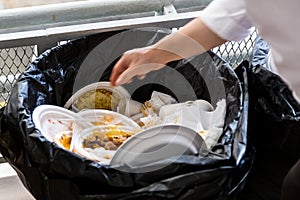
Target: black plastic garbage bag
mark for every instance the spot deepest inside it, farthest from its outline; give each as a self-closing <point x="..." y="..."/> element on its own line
<point x="261" y="51"/>
<point x="50" y="172"/>
<point x="274" y="131"/>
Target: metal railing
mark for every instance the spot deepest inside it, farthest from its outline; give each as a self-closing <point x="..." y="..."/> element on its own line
<point x="26" y="32"/>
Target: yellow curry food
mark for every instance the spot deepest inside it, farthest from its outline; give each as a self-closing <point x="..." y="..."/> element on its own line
<point x="98" y="99"/>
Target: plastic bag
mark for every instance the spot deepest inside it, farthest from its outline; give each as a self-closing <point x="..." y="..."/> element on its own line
<point x="50" y="172"/>
<point x="274" y="131"/>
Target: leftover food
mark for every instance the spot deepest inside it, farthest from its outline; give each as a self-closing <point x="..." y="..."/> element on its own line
<point x="98" y="99"/>
<point x="109" y="140"/>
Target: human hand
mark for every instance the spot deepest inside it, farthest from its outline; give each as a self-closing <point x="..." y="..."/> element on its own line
<point x="136" y="62"/>
<point x="194" y="38"/>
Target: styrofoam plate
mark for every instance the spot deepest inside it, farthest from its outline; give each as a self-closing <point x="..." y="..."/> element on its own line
<point x="120" y="93"/>
<point x="51" y="120"/>
<point x="158" y="143"/>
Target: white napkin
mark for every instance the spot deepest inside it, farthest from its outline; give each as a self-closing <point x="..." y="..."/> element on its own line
<point x="216" y="124"/>
<point x="198" y="115"/>
<point x="159" y="99"/>
<point x="193" y="114"/>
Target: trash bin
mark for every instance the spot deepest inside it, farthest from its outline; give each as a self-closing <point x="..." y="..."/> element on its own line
<point x="50" y="172"/>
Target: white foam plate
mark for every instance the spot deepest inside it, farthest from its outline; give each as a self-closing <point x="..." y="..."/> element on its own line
<point x="119" y="91"/>
<point x="158" y="143"/>
<point x="51" y="120"/>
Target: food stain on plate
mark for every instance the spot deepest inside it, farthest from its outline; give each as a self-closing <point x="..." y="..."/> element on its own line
<point x="63" y="139"/>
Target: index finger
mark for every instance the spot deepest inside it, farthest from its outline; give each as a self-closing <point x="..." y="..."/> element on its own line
<point x="118" y="69"/>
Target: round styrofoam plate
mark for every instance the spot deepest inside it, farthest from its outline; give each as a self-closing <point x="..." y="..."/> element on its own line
<point x="119" y="93"/>
<point x="156" y="144"/>
<point x="51" y="120"/>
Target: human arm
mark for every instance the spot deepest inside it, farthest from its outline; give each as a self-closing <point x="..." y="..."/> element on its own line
<point x="194" y="38"/>
<point x="221" y="21"/>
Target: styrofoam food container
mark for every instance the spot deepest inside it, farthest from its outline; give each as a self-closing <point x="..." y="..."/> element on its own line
<point x="52" y="120"/>
<point x="97" y="154"/>
<point x="120" y="95"/>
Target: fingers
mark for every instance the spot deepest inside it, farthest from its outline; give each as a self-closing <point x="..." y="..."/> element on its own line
<point x="125" y="77"/>
<point x="118" y="69"/>
<point x="124" y="71"/>
<point x="125" y="74"/>
<point x="136" y="62"/>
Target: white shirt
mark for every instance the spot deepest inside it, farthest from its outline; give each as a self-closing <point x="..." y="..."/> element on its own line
<point x="277" y="21"/>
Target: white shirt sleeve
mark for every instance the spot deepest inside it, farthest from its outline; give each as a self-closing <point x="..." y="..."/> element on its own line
<point x="228" y="19"/>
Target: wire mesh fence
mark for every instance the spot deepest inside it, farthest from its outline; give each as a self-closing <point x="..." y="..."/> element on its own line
<point x="235" y="52"/>
<point x="14" y="61"/>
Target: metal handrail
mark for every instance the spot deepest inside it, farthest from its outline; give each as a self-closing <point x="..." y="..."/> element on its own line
<point x="48" y="37"/>
<point x="82" y="12"/>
